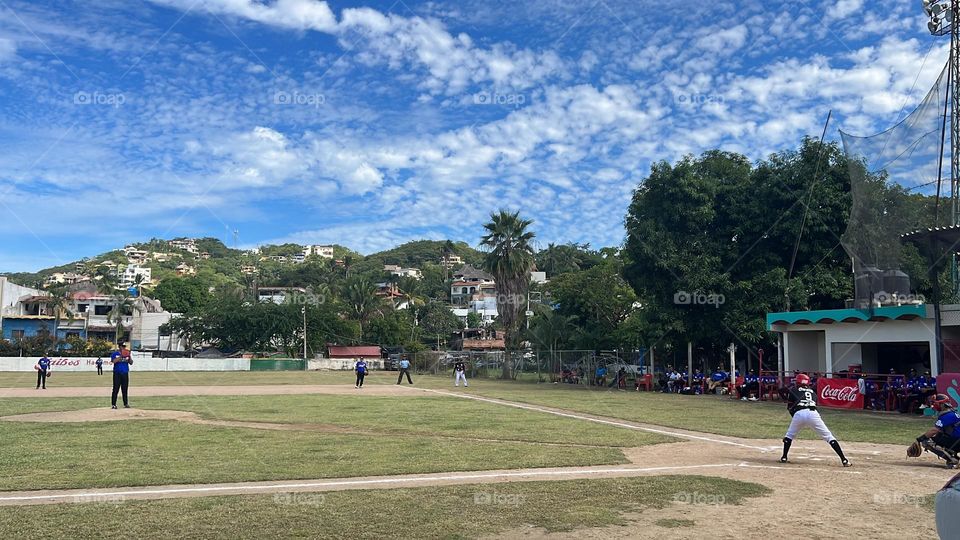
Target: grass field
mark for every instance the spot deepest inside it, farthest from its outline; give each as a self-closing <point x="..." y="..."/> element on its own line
<point x="708" y="414"/>
<point x="437" y="512"/>
<point x="389" y="436"/>
<point x="388" y="431"/>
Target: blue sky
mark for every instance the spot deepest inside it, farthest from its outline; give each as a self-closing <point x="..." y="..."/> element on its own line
<point x="372" y="123"/>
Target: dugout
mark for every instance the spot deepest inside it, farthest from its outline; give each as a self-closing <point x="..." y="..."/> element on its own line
<point x="875" y="340"/>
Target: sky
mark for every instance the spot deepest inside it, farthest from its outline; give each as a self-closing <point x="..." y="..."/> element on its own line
<point x="369" y="124"/>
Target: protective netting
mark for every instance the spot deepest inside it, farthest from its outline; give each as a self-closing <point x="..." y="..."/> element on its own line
<point x="893" y="180"/>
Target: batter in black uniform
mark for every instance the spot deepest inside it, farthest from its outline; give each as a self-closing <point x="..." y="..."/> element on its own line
<point x="803" y="408"/>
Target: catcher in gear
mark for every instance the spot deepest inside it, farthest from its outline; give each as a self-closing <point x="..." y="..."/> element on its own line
<point x="803" y="409"/>
<point x="943" y="439"/>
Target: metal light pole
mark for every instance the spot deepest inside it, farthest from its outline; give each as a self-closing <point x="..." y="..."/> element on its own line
<point x="303" y="311"/>
<point x="943" y="21"/>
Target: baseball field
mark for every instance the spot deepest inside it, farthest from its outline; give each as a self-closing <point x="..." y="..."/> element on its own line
<point x="293" y="454"/>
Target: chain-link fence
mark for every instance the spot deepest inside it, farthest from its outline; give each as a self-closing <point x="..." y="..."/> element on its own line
<point x="577" y="366"/>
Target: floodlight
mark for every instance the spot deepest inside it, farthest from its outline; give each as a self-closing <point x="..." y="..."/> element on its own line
<point x="933" y="25"/>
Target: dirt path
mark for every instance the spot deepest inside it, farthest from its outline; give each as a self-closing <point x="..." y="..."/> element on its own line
<point x="880" y="497"/>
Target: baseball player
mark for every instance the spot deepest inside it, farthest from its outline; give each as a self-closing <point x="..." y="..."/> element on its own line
<point x="99" y="366"/>
<point x="460" y="372"/>
<point x="943" y="439"/>
<point x="43" y="369"/>
<point x="121" y="361"/>
<point x="361" y="368"/>
<point x="803" y="408"/>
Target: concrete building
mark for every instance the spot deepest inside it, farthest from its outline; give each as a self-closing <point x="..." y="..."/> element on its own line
<point x="397" y="270"/>
<point x="471" y="284"/>
<point x="128" y="275"/>
<point x="873" y="340"/>
<point x="325" y="252"/>
<point x="280" y="295"/>
<point x="451" y="261"/>
<point x="134" y="255"/>
<point x="187" y="244"/>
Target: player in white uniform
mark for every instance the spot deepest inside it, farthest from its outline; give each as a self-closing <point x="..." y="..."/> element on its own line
<point x="803" y="408"/>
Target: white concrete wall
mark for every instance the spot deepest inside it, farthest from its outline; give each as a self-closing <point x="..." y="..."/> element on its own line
<point x="845" y="355"/>
<point x="13" y="363"/>
<point x="916" y="330"/>
<point x="10" y="293"/>
<point x="805" y="351"/>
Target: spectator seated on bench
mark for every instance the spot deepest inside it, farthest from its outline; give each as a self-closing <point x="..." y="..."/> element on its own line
<point x="698" y="380"/>
<point x="750" y="389"/>
<point x="717" y="379"/>
<point x="601" y="375"/>
<point x="675" y="382"/>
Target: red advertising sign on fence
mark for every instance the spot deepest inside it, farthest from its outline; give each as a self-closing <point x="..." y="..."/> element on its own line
<point x="839" y="393"/>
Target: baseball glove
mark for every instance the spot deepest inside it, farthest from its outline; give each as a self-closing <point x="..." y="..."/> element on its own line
<point x="792" y="408"/>
<point x="914" y="450"/>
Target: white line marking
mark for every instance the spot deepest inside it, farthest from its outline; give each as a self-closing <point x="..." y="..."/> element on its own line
<point x="336" y="483"/>
<point x="598" y="420"/>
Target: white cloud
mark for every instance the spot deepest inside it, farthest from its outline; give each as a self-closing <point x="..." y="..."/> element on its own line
<point x="8" y="49"/>
<point x="452" y="63"/>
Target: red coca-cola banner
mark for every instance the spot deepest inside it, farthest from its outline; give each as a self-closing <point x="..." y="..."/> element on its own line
<point x="839" y="393"/>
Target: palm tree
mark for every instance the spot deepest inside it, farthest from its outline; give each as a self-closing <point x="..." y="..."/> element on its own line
<point x="549" y="329"/>
<point x="362" y="300"/>
<point x="59" y="303"/>
<point x="121" y="305"/>
<point x="411" y="292"/>
<point x="445" y="251"/>
<point x="509" y="259"/>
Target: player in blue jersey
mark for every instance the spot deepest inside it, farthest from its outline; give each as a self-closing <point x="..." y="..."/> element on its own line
<point x="43" y="369"/>
<point x="361" y="368"/>
<point x="750" y="388"/>
<point x="943" y="439"/>
<point x="121" y="375"/>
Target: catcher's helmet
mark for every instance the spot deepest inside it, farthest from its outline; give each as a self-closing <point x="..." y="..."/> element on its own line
<point x="802" y="379"/>
<point x="941" y="402"/>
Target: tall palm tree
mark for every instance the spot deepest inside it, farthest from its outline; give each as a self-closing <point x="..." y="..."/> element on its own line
<point x="59" y="302"/>
<point x="121" y="305"/>
<point x="509" y="258"/>
<point x="362" y="301"/>
<point x="411" y="291"/>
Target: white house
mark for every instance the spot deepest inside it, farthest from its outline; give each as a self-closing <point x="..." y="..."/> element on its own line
<point x="321" y="251"/>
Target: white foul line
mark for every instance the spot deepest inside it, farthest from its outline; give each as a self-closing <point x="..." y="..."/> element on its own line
<point x="598" y="420"/>
<point x="340" y="483"/>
